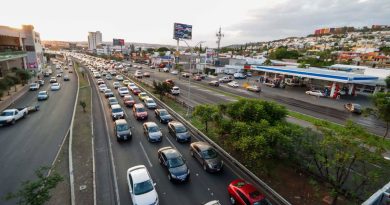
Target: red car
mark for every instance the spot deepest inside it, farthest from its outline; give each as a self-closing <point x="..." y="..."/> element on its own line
<point x="140" y="112"/>
<point x="136" y="91"/>
<point x="197" y="78"/>
<point x="128" y="100"/>
<point x="170" y="81"/>
<point x="243" y="193"/>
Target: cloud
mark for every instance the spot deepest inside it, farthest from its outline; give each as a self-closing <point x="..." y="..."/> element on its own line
<point x="302" y="17"/>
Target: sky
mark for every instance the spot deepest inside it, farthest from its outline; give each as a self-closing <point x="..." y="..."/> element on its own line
<point x="151" y="21"/>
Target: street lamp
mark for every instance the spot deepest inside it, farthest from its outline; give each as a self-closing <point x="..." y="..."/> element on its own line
<point x="189" y="79"/>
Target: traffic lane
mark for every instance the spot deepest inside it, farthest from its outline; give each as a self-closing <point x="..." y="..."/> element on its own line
<point x="105" y="189"/>
<point x="203" y="186"/>
<point x="34" y="141"/>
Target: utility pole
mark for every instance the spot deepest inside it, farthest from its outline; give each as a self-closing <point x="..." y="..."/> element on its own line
<point x="219" y="37"/>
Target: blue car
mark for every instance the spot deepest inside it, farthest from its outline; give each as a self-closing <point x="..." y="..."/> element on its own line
<point x="43" y="95"/>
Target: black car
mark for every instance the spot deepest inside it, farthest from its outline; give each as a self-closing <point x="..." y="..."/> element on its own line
<point x="163" y="115"/>
<point x="179" y="131"/>
<point x="174" y="164"/>
<point x="207" y="156"/>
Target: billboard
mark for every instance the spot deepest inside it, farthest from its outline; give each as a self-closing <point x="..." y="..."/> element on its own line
<point x="118" y="42"/>
<point x="182" y="31"/>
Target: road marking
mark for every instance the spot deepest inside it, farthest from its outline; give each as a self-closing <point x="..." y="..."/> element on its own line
<point x="110" y="149"/>
<point x="93" y="148"/>
<point x="170" y="142"/>
<point x="146" y="155"/>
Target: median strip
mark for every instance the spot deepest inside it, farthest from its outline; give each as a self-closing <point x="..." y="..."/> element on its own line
<point x="82" y="143"/>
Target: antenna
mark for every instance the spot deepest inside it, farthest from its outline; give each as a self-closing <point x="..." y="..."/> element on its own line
<point x="219" y="36"/>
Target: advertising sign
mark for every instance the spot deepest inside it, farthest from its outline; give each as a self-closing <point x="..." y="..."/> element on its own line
<point x="118" y="42"/>
<point x="182" y="31"/>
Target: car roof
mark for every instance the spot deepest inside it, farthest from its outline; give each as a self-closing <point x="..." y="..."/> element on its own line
<point x="246" y="189"/>
<point x="170" y="152"/>
<point x="138" y="105"/>
<point x="150" y="124"/>
<point x="176" y="123"/>
<point x="44" y="91"/>
<point x="202" y="145"/>
<point x="120" y="121"/>
<point x="139" y="174"/>
<point x="112" y="98"/>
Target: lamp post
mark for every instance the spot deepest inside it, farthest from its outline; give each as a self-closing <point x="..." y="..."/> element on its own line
<point x="189" y="79"/>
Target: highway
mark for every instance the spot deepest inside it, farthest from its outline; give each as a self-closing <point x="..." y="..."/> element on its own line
<point x="202" y="93"/>
<point x="34" y="141"/>
<point x="201" y="188"/>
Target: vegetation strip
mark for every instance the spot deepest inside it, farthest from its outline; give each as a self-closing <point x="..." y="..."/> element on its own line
<point x="82" y="143"/>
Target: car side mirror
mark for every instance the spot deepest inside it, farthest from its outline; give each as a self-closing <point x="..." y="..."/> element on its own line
<point x="154" y="184"/>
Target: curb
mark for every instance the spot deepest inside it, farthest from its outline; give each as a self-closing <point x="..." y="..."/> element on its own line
<point x="71" y="177"/>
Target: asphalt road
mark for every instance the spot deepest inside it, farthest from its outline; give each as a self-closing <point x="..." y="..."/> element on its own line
<point x="201" y="188"/>
<point x="34" y="141"/>
<point x="201" y="93"/>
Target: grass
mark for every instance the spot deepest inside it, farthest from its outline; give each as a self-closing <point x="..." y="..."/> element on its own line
<point x="82" y="141"/>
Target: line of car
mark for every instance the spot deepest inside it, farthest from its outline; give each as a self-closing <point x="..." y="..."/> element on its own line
<point x="140" y="183"/>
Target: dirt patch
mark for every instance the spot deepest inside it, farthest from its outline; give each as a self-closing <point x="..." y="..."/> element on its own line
<point x="61" y="194"/>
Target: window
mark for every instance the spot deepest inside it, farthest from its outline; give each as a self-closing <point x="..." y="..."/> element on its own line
<point x="243" y="197"/>
<point x="30" y="48"/>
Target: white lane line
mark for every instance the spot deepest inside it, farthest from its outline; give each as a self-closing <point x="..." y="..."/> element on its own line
<point x="170" y="142"/>
<point x="111" y="153"/>
<point x="146" y="155"/>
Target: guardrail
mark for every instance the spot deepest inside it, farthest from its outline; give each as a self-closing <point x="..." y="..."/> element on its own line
<point x="270" y="192"/>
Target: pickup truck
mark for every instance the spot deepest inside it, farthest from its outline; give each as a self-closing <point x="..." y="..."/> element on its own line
<point x="10" y="116"/>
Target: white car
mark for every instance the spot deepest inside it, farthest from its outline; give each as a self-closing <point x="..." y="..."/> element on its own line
<point x="166" y="69"/>
<point x="119" y="78"/>
<point x="55" y="86"/>
<point x="116" y="85"/>
<point x="102" y="87"/>
<point x="317" y="93"/>
<point x="123" y="91"/>
<point x="175" y="90"/>
<point x="149" y="102"/>
<point x="175" y="72"/>
<point x="141" y="186"/>
<point x="34" y="86"/>
<point x="233" y="84"/>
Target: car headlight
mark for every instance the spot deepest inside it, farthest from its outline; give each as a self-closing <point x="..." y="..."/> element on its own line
<point x="210" y="166"/>
<point x="9" y="120"/>
<point x="188" y="171"/>
<point x="174" y="176"/>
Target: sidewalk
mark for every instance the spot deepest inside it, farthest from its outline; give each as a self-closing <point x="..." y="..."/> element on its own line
<point x="8" y="100"/>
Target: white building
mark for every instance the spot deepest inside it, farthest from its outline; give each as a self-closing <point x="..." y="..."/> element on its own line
<point x="94" y="39"/>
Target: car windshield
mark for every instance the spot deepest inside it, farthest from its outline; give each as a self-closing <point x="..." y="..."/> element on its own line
<point x="113" y="101"/>
<point x="128" y="98"/>
<point x="42" y="93"/>
<point x="175" y="162"/>
<point x="150" y="101"/>
<point x="209" y="154"/>
<point x="163" y="113"/>
<point x="180" y="129"/>
<point x="7" y="113"/>
<point x="153" y="129"/>
<point x="122" y="127"/>
<point x="140" y="109"/>
<point x="143" y="187"/>
<point x="123" y="89"/>
<point x="115" y="110"/>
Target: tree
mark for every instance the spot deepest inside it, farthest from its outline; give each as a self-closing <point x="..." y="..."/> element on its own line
<point x="83" y="105"/>
<point x="150" y="50"/>
<point x="161" y="88"/>
<point x="267" y="62"/>
<point x="381" y="109"/>
<point x="340" y="156"/>
<point x="162" y="49"/>
<point x="23" y="75"/>
<point x="387" y="80"/>
<point x="36" y="192"/>
<point x="206" y="113"/>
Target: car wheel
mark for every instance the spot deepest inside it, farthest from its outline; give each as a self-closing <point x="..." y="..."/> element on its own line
<point x="13" y="122"/>
<point x="177" y="139"/>
<point x="169" y="177"/>
<point x="204" y="166"/>
<point x="160" y="120"/>
<point x="232" y="200"/>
